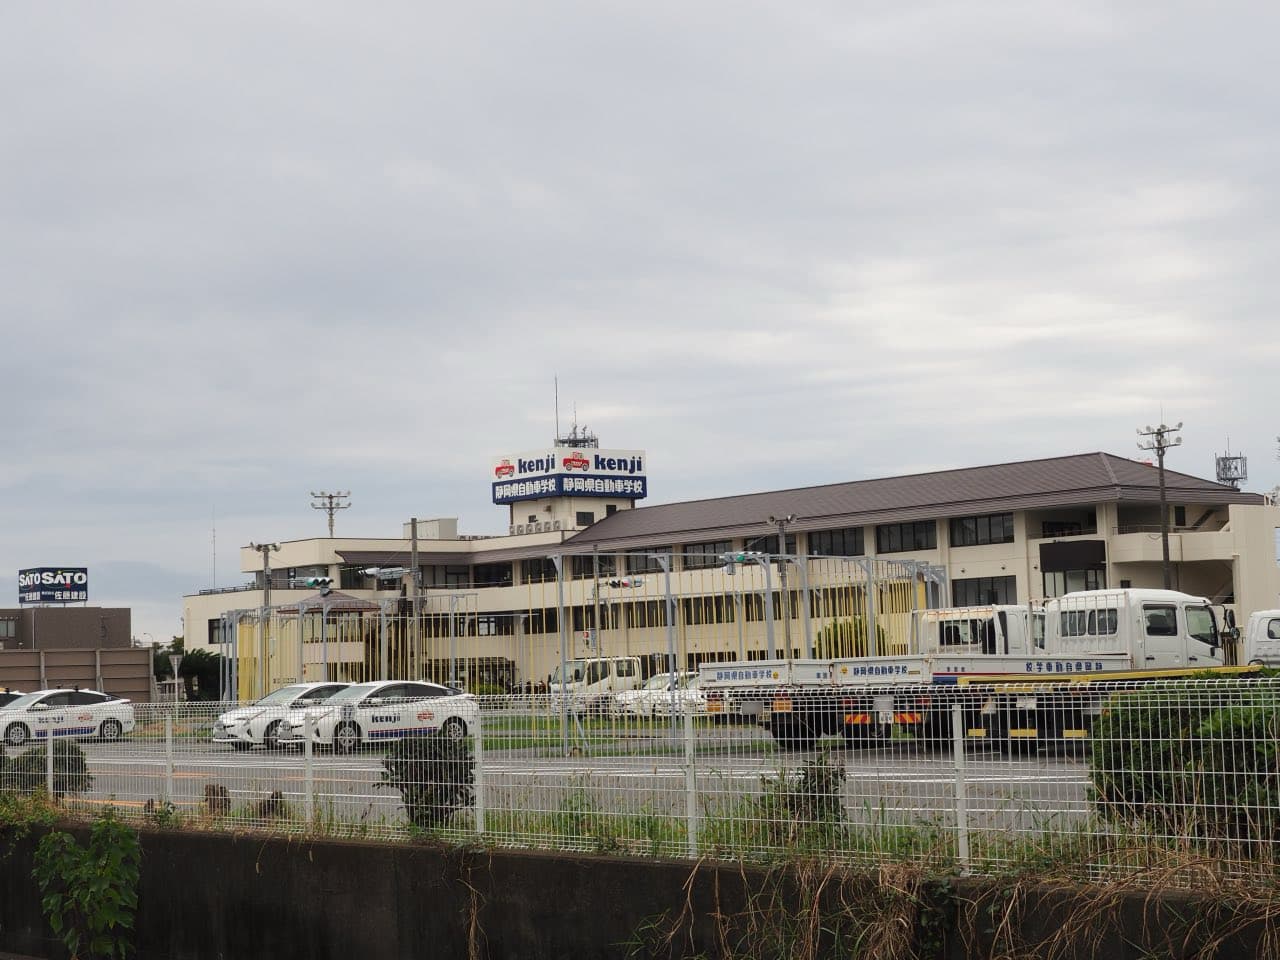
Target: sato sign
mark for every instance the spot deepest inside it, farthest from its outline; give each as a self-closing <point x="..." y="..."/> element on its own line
<point x="53" y="585"/>
<point x="569" y="471"/>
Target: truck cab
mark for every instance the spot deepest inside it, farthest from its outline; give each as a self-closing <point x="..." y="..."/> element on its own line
<point x="967" y="631"/>
<point x="1262" y="638"/>
<point x="591" y="682"/>
<point x="1155" y="629"/>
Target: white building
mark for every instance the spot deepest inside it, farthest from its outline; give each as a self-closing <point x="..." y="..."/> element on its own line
<point x="1005" y="533"/>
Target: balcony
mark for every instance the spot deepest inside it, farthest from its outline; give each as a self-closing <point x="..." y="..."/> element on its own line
<point x="1140" y="543"/>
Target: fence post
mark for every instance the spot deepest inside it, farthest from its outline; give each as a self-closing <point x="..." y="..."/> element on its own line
<point x="690" y="782"/>
<point x="168" y="756"/>
<point x="309" y="772"/>
<point x="962" y="811"/>
<point x="478" y="736"/>
<point x="48" y="763"/>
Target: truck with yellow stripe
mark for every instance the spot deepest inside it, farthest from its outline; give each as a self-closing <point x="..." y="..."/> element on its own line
<point x="1045" y="687"/>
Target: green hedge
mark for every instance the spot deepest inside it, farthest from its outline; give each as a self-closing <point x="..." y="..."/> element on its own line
<point x="1191" y="760"/>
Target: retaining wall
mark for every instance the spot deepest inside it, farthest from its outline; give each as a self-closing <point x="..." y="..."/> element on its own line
<point x="211" y="896"/>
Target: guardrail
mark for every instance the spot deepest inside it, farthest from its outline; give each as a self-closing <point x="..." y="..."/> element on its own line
<point x="1109" y="780"/>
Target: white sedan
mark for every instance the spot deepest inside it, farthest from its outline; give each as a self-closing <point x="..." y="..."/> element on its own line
<point x="387" y="710"/>
<point x="65" y="713"/>
<point x="263" y="721"/>
<point x="689" y="697"/>
<point x="653" y="696"/>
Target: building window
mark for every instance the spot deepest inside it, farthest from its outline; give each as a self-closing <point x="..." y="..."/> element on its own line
<point x="769" y="544"/>
<point x="644" y="563"/>
<point x="901" y="537"/>
<point x="1058" y="582"/>
<point x="700" y="556"/>
<point x="980" y="530"/>
<point x="583" y="565"/>
<point x="537" y="570"/>
<point x="493" y="574"/>
<point x="585" y="518"/>
<point x="979" y="591"/>
<point x="845" y="542"/>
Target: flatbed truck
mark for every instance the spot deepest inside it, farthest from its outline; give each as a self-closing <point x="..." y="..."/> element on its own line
<point x="1011" y="693"/>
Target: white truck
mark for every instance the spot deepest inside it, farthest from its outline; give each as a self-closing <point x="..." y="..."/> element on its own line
<point x="1088" y="637"/>
<point x="1262" y="639"/>
<point x="589" y="684"/>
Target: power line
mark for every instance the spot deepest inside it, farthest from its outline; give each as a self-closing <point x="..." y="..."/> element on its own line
<point x="331" y="503"/>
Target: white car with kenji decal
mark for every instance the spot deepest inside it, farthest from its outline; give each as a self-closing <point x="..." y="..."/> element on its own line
<point x="367" y="713"/>
<point x="263" y="722"/>
<point x="79" y="714"/>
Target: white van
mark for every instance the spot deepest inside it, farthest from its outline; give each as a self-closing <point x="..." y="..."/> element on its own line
<point x="1262" y="638"/>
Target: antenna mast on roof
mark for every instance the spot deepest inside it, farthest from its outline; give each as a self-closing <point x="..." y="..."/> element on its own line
<point x="1232" y="469"/>
<point x="580" y="437"/>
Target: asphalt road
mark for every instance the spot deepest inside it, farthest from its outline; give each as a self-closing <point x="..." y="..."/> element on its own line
<point x="889" y="784"/>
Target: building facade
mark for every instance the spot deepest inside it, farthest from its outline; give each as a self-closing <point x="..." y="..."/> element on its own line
<point x="652" y="581"/>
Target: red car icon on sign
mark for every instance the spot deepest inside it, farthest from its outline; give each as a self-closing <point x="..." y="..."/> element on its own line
<point x="505" y="469"/>
<point x="576" y="462"/>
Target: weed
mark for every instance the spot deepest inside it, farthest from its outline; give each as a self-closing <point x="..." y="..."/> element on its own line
<point x="89" y="895"/>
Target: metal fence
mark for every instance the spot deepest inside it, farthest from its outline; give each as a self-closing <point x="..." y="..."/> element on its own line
<point x="686" y="607"/>
<point x="1105" y="780"/>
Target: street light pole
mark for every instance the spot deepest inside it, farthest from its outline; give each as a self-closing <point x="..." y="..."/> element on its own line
<point x="781" y="523"/>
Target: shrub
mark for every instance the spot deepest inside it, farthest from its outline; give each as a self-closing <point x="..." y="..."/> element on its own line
<point x="435" y="776"/>
<point x="27" y="772"/>
<point x="90" y="894"/>
<point x="848" y="638"/>
<point x="805" y="808"/>
<point x="1195" y="762"/>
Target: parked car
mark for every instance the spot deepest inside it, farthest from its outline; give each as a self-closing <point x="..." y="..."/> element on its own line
<point x="386" y="710"/>
<point x="65" y="713"/>
<point x="8" y="696"/>
<point x="688" y="696"/>
<point x="657" y="689"/>
<point x="263" y="721"/>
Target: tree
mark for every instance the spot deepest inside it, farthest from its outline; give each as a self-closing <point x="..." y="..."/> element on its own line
<point x="200" y="669"/>
<point x="848" y="638"/>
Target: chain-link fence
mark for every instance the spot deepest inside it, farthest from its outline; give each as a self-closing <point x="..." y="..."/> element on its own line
<point x="1093" y="778"/>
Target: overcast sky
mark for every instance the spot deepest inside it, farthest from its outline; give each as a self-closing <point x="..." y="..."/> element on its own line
<point x="251" y="250"/>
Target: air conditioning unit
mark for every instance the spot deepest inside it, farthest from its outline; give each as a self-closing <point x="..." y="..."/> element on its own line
<point x="511" y="530"/>
<point x="519" y="529"/>
<point x="556" y="524"/>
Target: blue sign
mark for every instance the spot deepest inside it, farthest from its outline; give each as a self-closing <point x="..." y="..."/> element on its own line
<point x="560" y="485"/>
<point x="53" y="585"/>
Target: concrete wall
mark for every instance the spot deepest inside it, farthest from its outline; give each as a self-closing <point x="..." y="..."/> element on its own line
<point x="214" y="895"/>
<point x="123" y="672"/>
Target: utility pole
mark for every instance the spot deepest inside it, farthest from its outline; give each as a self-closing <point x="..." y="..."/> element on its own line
<point x="331" y="503"/>
<point x="781" y="523"/>
<point x="266" y="549"/>
<point x="1159" y="440"/>
<point x="415" y="586"/>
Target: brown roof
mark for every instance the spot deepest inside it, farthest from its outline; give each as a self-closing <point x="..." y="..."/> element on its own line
<point x="1077" y="480"/>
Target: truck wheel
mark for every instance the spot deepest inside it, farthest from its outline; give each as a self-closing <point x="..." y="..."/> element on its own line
<point x="935" y="732"/>
<point x="859" y="735"/>
<point x="792" y="734"/>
